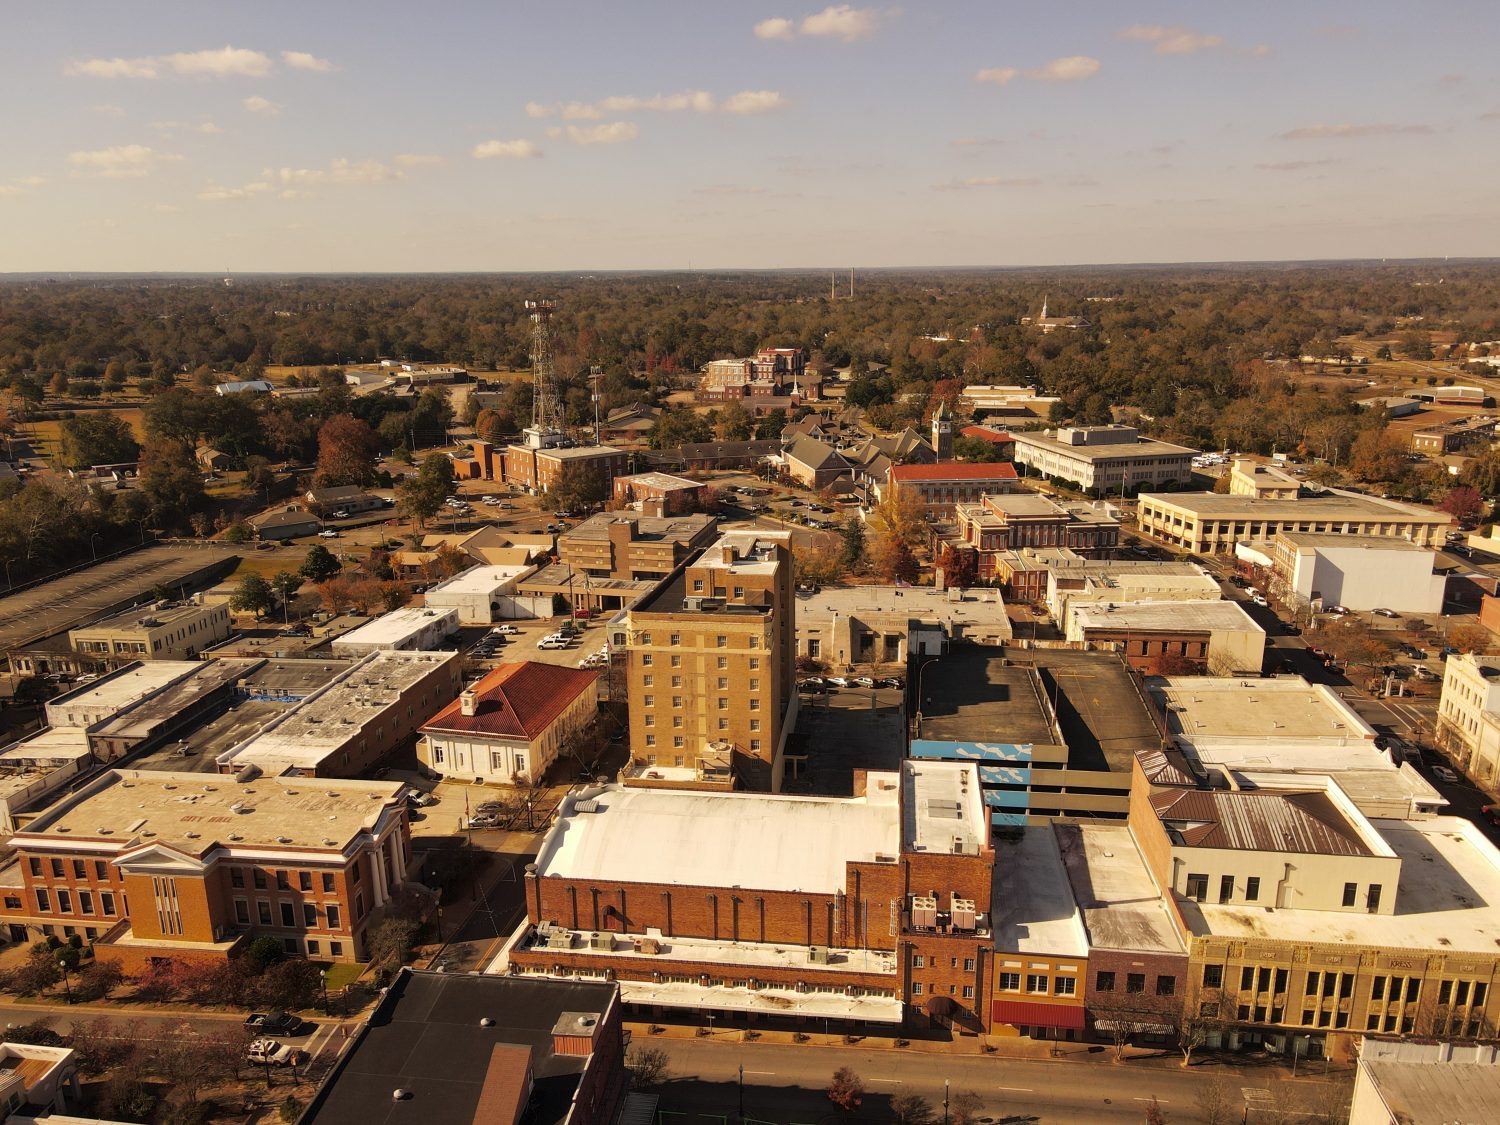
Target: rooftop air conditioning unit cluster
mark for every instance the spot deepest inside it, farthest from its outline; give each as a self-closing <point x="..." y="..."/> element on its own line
<point x="963" y="914"/>
<point x="560" y="939"/>
<point x="924" y="912"/>
<point x="601" y="941"/>
<point x="817" y="954"/>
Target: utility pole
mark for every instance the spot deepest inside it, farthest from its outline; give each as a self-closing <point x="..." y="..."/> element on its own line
<point x="742" y="1095"/>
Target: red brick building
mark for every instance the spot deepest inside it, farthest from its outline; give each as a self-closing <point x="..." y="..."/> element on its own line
<point x="871" y="910"/>
<point x="677" y="494"/>
<point x="942" y="486"/>
<point x="151" y="865"/>
<point x="999" y="529"/>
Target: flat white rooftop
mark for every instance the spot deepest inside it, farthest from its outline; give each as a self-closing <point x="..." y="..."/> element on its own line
<point x="1199" y="615"/>
<point x="54" y="743"/>
<point x="771" y="1001"/>
<point x="479" y="580"/>
<point x="922" y="603"/>
<point x="398" y="626"/>
<point x="118" y="691"/>
<point x="1448" y="898"/>
<point x="1119" y="901"/>
<point x="1203" y="711"/>
<point x="680" y="838"/>
<point x="943" y="811"/>
<point x="1031" y="907"/>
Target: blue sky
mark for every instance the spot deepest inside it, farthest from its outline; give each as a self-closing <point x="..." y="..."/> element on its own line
<point x="455" y="135"/>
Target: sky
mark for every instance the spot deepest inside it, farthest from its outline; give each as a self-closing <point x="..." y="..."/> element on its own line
<point x="458" y="135"/>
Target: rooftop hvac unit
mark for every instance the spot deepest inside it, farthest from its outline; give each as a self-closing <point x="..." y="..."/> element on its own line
<point x="560" y="939"/>
<point x="963" y="914"/>
<point x="958" y="845"/>
<point x="924" y="912"/>
<point x="817" y="954"/>
<point x="603" y="941"/>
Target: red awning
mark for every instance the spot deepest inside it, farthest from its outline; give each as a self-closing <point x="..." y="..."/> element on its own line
<point x="1024" y="1013"/>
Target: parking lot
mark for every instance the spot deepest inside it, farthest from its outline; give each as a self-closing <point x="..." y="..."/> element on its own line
<point x="845" y="730"/>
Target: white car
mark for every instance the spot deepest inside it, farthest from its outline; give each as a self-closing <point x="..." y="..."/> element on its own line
<point x="1259" y="599"/>
<point x="328" y="534"/>
<point x="1443" y="773"/>
<point x="270" y="1052"/>
<point x="553" y="642"/>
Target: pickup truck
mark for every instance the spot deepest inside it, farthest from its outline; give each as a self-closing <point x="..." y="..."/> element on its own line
<point x="273" y="1023"/>
<point x="268" y="1052"/>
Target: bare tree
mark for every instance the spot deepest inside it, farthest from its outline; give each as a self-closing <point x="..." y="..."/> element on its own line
<point x="847" y="1090"/>
<point x="911" y="1109"/>
<point x="648" y="1067"/>
<point x="1216" y="1102"/>
<point x="1195" y="1025"/>
<point x="966" y="1108"/>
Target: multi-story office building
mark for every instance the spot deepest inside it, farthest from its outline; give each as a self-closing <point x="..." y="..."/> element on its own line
<point x="1264" y="482"/>
<point x="1468" y="723"/>
<point x="1000" y="530"/>
<point x="192" y="865"/>
<point x="1103" y="458"/>
<point x="711" y="663"/>
<point x="167" y="631"/>
<point x="770" y="372"/>
<point x="1212" y="523"/>
<point x="674" y="494"/>
<point x="634" y="547"/>
<point x="940" y="487"/>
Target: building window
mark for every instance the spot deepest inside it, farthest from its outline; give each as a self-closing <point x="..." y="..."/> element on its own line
<point x="676" y="681"/>
<point x="968" y="992"/>
<point x="1372" y="898"/>
<point x="815" y="648"/>
<point x="259" y="879"/>
<point x="916" y="988"/>
<point x="85" y="902"/>
<point x="647" y="681"/>
<point x="107" y="903"/>
<point x="1350" y="890"/>
<point x="1252" y="888"/>
<point x="80" y="870"/>
<point x="263" y="911"/>
<point x="1010" y="982"/>
<point x="309" y="915"/>
<point x="327" y="882"/>
<point x="1065" y="986"/>
<point x="721" y="641"/>
<point x="755" y="724"/>
<point x="1036" y="982"/>
<point x="242" y="912"/>
<point x="676" y="639"/>
<point x="1213" y="976"/>
<point x="282" y="882"/>
<point x="723" y="704"/>
<point x="236" y="878"/>
<point x="645" y="638"/>
<point x="755" y="746"/>
<point x="677" y="741"/>
<point x="1226" y="888"/>
<point x="918" y="961"/>
<point x="1197" y="888"/>
<point x="651" y="740"/>
<point x="64" y="900"/>
<point x="645" y="660"/>
<point x="1247" y="978"/>
<point x="723" y="662"/>
<point x="1104" y="981"/>
<point x="1166" y="985"/>
<point x="57" y="869"/>
<point x="1135" y="982"/>
<point x="968" y="964"/>
<point x="331" y="913"/>
<point x="43" y="901"/>
<point x="36" y="867"/>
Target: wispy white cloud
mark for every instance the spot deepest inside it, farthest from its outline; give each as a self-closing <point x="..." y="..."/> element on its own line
<point x="970" y="182"/>
<point x="613" y="133"/>
<point x="120" y="161"/>
<point x="218" y="62"/>
<point x="166" y="209"/>
<point x="340" y="171"/>
<point x="1172" y="40"/>
<point x="29" y="181"/>
<point x="1345" y="131"/>
<point x="109" y="110"/>
<point x="257" y="104"/>
<point x="205" y="127"/>
<point x="505" y="150"/>
<point x="216" y="193"/>
<point x="1069" y="68"/>
<point x="419" y="160"/>
<point x="753" y="101"/>
<point x="301" y="60"/>
<point x="684" y="101"/>
<point x="1293" y="165"/>
<point x="837" y="21"/>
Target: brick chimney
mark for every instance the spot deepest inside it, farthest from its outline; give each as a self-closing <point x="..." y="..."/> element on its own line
<point x="575" y="1033"/>
<point x="468" y="703"/>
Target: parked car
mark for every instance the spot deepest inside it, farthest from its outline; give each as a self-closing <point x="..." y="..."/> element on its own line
<point x="484" y="820"/>
<point x="274" y="1023"/>
<point x="505" y="630"/>
<point x="268" y="1052"/>
<point x="554" y="640"/>
<point x="1336" y="610"/>
<point x="420" y="798"/>
<point x="1259" y="600"/>
<point x="812" y="687"/>
<point x="298" y="630"/>
<point x="328" y="533"/>
<point x="1422" y="672"/>
<point x="341" y="514"/>
<point x="1443" y="773"/>
<point x="836" y="681"/>
<point x="1386" y="613"/>
<point x="1412" y="651"/>
<point x="864" y="681"/>
<point x="890" y="682"/>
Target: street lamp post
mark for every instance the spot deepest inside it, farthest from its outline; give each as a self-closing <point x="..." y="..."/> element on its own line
<point x="323" y="979"/>
<point x="742" y="1094"/>
<point x="437" y="893"/>
<point x="62" y="963"/>
<point x="945" y="1101"/>
<point x="93" y="549"/>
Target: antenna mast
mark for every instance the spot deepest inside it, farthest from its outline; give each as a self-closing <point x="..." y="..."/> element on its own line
<point x="546" y="406"/>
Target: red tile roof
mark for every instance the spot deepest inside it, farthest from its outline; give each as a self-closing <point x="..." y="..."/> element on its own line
<point x="955" y="470"/>
<point x="517" y="700"/>
<point x="985" y="433"/>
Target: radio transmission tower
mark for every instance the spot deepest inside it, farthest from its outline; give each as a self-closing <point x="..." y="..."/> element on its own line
<point x="546" y="405"/>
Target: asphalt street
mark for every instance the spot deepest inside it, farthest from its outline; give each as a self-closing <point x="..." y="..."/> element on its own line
<point x="786" y="1085"/>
